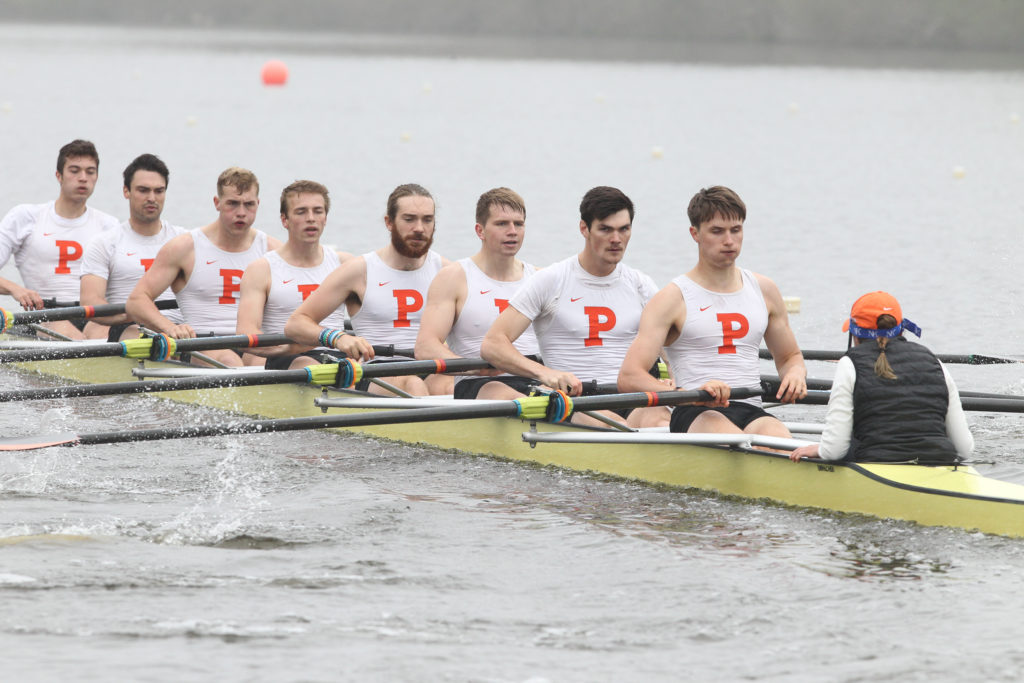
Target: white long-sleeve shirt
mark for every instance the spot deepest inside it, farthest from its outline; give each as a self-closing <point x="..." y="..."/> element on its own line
<point x="835" y="439"/>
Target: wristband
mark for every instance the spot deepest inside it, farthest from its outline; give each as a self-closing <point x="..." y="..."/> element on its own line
<point x="329" y="336"/>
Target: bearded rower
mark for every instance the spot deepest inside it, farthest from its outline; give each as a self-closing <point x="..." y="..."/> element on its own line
<point x="383" y="290"/>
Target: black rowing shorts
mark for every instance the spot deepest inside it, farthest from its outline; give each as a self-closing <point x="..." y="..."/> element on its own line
<point x="739" y="413"/>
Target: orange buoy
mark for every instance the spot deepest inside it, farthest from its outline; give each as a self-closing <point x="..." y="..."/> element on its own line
<point x="274" y="73"/>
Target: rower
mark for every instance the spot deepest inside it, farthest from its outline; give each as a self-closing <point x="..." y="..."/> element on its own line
<point x="204" y="268"/>
<point x="116" y="260"/>
<point x="710" y="322"/>
<point x="273" y="286"/>
<point x="383" y="290"/>
<point x="891" y="401"/>
<point x="584" y="309"/>
<point x="48" y="240"/>
<point x="466" y="297"/>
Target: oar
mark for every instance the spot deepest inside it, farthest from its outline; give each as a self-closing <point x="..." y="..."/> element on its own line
<point x="9" y="319"/>
<point x="770" y="383"/>
<point x="555" y="407"/>
<point x="991" y="405"/>
<point x="961" y="359"/>
<point x="155" y="348"/>
<point x="344" y="374"/>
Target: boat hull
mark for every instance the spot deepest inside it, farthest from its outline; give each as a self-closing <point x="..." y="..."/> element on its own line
<point x="939" y="496"/>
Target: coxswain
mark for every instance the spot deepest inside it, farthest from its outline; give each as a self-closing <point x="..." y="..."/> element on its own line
<point x="891" y="400"/>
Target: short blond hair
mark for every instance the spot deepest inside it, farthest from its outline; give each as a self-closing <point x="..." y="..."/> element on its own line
<point x="304" y="187"/>
<point x="239" y="178"/>
<point x="498" y="197"/>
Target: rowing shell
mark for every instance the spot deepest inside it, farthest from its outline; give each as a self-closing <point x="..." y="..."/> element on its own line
<point x="940" y="496"/>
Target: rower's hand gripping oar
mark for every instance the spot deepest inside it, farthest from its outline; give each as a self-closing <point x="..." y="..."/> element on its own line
<point x="9" y="319"/>
<point x="554" y="407"/>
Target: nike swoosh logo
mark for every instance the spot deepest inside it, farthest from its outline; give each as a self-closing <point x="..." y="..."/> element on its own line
<point x="705" y="308"/>
<point x="381" y="284"/>
<point x="575" y="300"/>
<point x="284" y="282"/>
<point x="213" y="261"/>
<point x="484" y="291"/>
<point x="131" y="253"/>
<point x="47" y="234"/>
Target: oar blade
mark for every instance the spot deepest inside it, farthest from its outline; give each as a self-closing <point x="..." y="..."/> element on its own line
<point x="31" y="443"/>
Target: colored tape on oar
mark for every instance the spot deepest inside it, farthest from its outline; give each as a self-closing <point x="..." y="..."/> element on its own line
<point x="6" y="319"/>
<point x="532" y="407"/>
<point x="163" y="347"/>
<point x="137" y="348"/>
<point x="559" y="406"/>
<point x="349" y="374"/>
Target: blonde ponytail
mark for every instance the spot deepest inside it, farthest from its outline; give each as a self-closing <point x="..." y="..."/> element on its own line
<point x="882" y="367"/>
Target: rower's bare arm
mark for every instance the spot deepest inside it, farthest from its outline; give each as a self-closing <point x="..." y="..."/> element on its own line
<point x="173" y="260"/>
<point x="499" y="350"/>
<point x="781" y="342"/>
<point x="92" y="291"/>
<point x="252" y="299"/>
<point x="447" y="289"/>
<point x="273" y="243"/>
<point x="344" y="256"/>
<point x="29" y="299"/>
<point x="345" y="282"/>
<point x="660" y="323"/>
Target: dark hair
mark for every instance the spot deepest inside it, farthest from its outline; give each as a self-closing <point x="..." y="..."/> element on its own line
<point x="309" y="187"/>
<point x="715" y="200"/>
<point x="501" y="197"/>
<point x="407" y="190"/>
<point x="882" y="367"/>
<point x="603" y="201"/>
<point x="145" y="162"/>
<point x="77" y="148"/>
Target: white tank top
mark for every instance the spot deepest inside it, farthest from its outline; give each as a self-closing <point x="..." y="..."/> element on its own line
<point x="122" y="256"/>
<point x="721" y="336"/>
<point x="209" y="300"/>
<point x="585" y="323"/>
<point x="289" y="287"/>
<point x="485" y="299"/>
<point x="393" y="302"/>
<point x="48" y="248"/>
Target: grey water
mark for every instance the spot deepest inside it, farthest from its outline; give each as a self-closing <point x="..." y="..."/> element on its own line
<point x="319" y="557"/>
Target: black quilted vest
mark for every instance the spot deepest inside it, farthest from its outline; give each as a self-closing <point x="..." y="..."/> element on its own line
<point x="902" y="419"/>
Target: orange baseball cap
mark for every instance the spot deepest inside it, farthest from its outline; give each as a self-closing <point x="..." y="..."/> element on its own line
<point x="863" y="320"/>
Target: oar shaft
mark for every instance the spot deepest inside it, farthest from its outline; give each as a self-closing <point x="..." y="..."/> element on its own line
<point x="956" y="359"/>
<point x="104" y="349"/>
<point x="483" y="410"/>
<point x="77" y="312"/>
